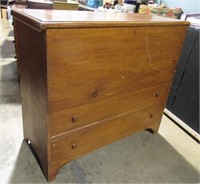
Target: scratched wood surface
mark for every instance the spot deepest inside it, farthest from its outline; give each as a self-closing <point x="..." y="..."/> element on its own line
<point x="106" y="78"/>
<point x="108" y="62"/>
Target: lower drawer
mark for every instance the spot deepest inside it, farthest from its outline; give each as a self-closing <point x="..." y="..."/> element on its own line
<point x="81" y="141"/>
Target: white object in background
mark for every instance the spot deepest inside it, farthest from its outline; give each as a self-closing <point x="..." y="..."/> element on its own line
<point x="9" y="12"/>
<point x="182" y="124"/>
<point x="158" y="2"/>
<point x="128" y="8"/>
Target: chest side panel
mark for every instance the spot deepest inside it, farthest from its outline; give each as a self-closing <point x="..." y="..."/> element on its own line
<point x="31" y="46"/>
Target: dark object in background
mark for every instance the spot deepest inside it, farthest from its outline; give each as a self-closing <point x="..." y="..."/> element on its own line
<point x="84" y="2"/>
<point x="137" y="6"/>
<point x="134" y="2"/>
<point x="183" y="99"/>
<point x="39" y="4"/>
<point x="144" y="2"/>
<point x="115" y="2"/>
<point x="130" y="2"/>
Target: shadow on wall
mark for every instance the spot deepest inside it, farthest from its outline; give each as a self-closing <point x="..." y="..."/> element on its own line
<point x="140" y="158"/>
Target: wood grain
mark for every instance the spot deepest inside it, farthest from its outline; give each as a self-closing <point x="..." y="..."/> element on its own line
<point x="99" y="134"/>
<point x="33" y="81"/>
<point x="110" y="64"/>
<point x="47" y="19"/>
<point x="62" y="121"/>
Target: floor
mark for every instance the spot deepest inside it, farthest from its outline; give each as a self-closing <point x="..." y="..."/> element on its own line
<point x="169" y="156"/>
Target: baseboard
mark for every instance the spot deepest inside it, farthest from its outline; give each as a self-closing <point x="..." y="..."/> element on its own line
<point x="182" y="125"/>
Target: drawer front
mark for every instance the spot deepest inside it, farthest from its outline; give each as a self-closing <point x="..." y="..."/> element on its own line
<point x="81" y="141"/>
<point x="66" y="120"/>
<point x="108" y="60"/>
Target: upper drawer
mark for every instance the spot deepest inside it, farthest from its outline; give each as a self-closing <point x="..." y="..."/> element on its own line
<point x="69" y="119"/>
<point x="108" y="60"/>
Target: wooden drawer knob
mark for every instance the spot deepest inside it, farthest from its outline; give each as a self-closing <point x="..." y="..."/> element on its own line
<point x="157" y="94"/>
<point x="95" y="94"/>
<point x="74" y="118"/>
<point x="74" y="146"/>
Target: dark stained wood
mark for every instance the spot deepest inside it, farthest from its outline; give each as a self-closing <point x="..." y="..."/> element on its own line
<point x="16" y="51"/>
<point x="31" y="54"/>
<point x="89" y="78"/>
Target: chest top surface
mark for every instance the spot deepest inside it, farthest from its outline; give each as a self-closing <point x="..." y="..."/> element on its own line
<point x="44" y="19"/>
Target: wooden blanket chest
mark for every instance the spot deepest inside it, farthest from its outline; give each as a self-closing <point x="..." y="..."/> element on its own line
<point x="90" y="78"/>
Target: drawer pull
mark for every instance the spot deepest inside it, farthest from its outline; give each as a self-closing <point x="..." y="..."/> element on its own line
<point x="95" y="94"/>
<point x="74" y="118"/>
<point x="74" y="146"/>
<point x="157" y="94"/>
